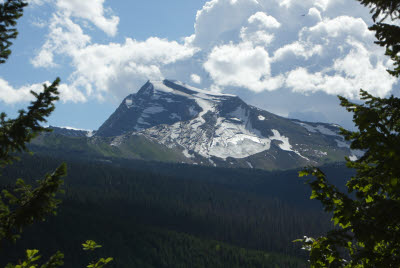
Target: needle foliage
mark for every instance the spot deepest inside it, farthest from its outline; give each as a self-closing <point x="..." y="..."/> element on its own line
<point x="367" y="217"/>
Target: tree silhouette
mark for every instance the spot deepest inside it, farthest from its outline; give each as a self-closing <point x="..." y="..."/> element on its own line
<point x="367" y="218"/>
<point x="24" y="204"/>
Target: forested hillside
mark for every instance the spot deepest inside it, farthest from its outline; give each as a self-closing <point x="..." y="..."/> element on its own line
<point x="149" y="214"/>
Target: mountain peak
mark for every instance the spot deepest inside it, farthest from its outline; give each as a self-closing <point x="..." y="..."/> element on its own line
<point x="164" y="102"/>
<point x="204" y="126"/>
<point x="170" y="121"/>
<point x="177" y="87"/>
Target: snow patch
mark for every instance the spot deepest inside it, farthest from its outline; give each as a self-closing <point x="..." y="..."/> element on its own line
<point x="224" y="139"/>
<point x="353" y="158"/>
<point x="308" y="127"/>
<point x="159" y="86"/>
<point x="235" y="140"/>
<point x="358" y="153"/>
<point x="192" y="111"/>
<point x="187" y="154"/>
<point x="285" y="145"/>
<point x="142" y="122"/>
<point x="202" y="91"/>
<point x="77" y="129"/>
<point x="249" y="164"/>
<point x="261" y="118"/>
<point x="153" y="110"/>
<point x="212" y="162"/>
<point x="169" y="100"/>
<point x="236" y="119"/>
<point x="240" y="113"/>
<point x="326" y="131"/>
<point x="319" y="128"/>
<point x="117" y="141"/>
<point x="128" y="103"/>
<point x="342" y="144"/>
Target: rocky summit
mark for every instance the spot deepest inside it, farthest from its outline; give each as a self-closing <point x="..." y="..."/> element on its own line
<point x="197" y="126"/>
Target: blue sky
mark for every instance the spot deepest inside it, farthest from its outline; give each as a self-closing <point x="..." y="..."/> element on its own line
<point x="265" y="51"/>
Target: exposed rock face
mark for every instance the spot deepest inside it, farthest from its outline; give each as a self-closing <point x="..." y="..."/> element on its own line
<point x="220" y="127"/>
<point x="171" y="121"/>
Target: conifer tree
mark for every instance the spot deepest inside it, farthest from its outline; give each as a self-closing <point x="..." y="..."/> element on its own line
<point x="10" y="11"/>
<point x="367" y="218"/>
<point x="25" y="204"/>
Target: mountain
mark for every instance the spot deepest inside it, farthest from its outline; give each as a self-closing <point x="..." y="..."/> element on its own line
<point x="72" y="132"/>
<point x="171" y="121"/>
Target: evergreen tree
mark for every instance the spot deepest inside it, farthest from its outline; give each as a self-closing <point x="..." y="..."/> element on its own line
<point x="367" y="218"/>
<point x="10" y="11"/>
<point x="24" y="204"/>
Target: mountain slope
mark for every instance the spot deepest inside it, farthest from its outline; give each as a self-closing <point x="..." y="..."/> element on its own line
<point x="200" y="127"/>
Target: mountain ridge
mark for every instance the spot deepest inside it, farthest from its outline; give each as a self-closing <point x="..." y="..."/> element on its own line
<point x="216" y="129"/>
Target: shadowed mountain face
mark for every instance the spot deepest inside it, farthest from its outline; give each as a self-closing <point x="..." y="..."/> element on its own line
<point x="200" y="127"/>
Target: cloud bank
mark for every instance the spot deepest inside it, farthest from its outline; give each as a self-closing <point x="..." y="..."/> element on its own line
<point x="253" y="46"/>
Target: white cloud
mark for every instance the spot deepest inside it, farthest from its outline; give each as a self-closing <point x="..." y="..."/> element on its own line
<point x="65" y="37"/>
<point x="264" y="20"/>
<point x="350" y="73"/>
<point x="242" y="65"/>
<point x="258" y="30"/>
<point x="71" y="94"/>
<point x="315" y="13"/>
<point x="10" y="95"/>
<point x="338" y="27"/>
<point x="39" y="23"/>
<point x="91" y="10"/>
<point x="346" y="57"/>
<point x="298" y="49"/>
<point x="330" y="46"/>
<point x="256" y="37"/>
<point x="296" y="4"/>
<point x="195" y="78"/>
<point x="36" y="2"/>
<point x="120" y="68"/>
<point x="258" y="45"/>
<point x="218" y="18"/>
<point x="109" y="68"/>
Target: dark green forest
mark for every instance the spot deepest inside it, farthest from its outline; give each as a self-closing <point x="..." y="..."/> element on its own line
<point x="149" y="214"/>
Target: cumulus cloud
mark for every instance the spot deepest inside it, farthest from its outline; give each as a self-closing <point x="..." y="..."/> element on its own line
<point x="315" y="13"/>
<point x="195" y="78"/>
<point x="298" y="49"/>
<point x="216" y="21"/>
<point x="264" y="20"/>
<point x="332" y="55"/>
<point x="338" y="27"/>
<point x="303" y="46"/>
<point x="350" y="73"/>
<point x="296" y="4"/>
<point x="120" y="68"/>
<point x="260" y="29"/>
<point x="10" y="95"/>
<point x="34" y="2"/>
<point x="65" y="37"/>
<point x="347" y="59"/>
<point x="242" y="65"/>
<point x="91" y="10"/>
<point x="112" y="68"/>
